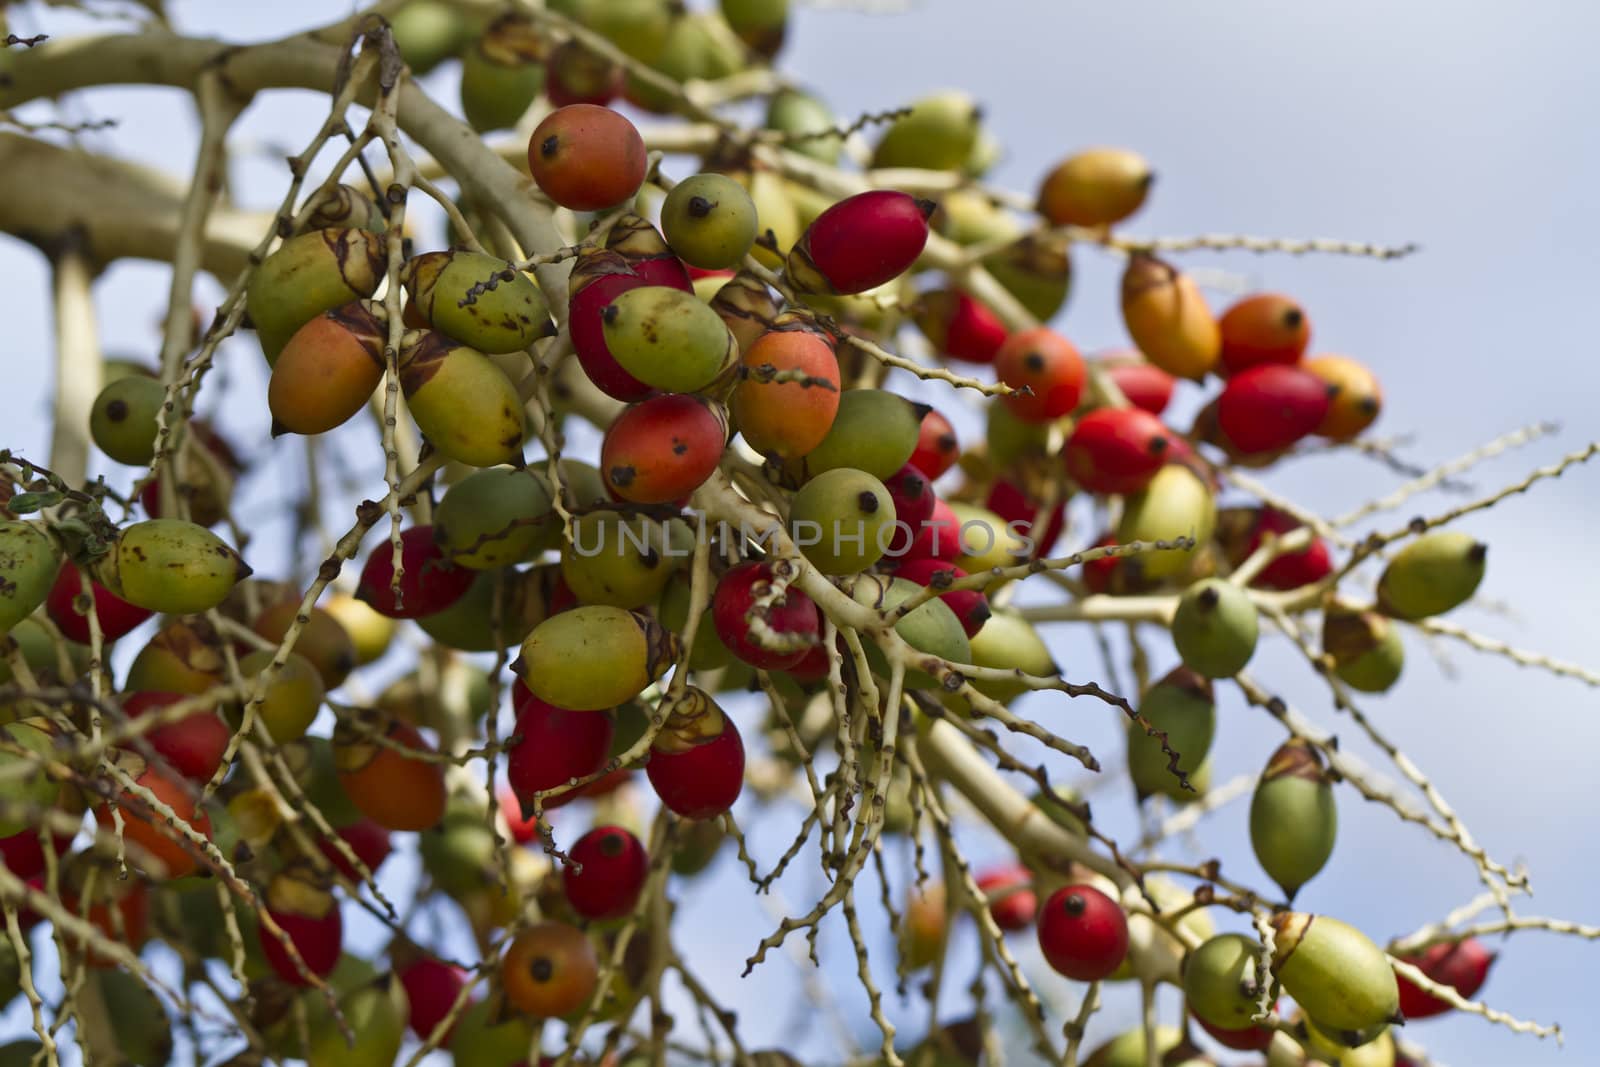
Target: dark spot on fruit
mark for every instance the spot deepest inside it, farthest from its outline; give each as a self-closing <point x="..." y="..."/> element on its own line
<point x="1368" y="405"/>
<point x="947" y="442"/>
<point x="1158" y="444"/>
<point x="1478" y="552"/>
<point x="550" y="146"/>
<point x="650" y="559"/>
<point x="679" y="447"/>
<point x="1034" y="362"/>
<point x="612" y="845"/>
<point x="1074" y="904"/>
<point x="542" y="969"/>
<point x="117" y="410"/>
<point x="609" y="315"/>
<point x="867" y="501"/>
<point x="700" y="207"/>
<point x="1293" y="318"/>
<point x="622" y="477"/>
<point x="1208" y="598"/>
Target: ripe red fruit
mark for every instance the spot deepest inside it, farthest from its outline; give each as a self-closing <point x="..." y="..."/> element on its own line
<point x="1021" y="513"/>
<point x="1046" y="363"/>
<point x="730" y="607"/>
<point x="939" y="537"/>
<point x="605" y="873"/>
<point x="912" y="495"/>
<point x="1248" y="1039"/>
<point x="937" y="447"/>
<point x="1117" y="450"/>
<point x="701" y="782"/>
<point x="116" y="616"/>
<point x="959" y="326"/>
<point x="318" y="940"/>
<point x="662" y="449"/>
<point x="813" y="666"/>
<point x="1083" y="933"/>
<point x="22" y="854"/>
<point x="194" y="745"/>
<point x="1013" y="910"/>
<point x="597" y="279"/>
<point x="1270" y="407"/>
<point x="522" y="830"/>
<point x="970" y="606"/>
<point x="1292" y="569"/>
<point x="586" y="157"/>
<point x="1461" y="965"/>
<point x="431" y="990"/>
<point x="1264" y="328"/>
<point x="430" y="583"/>
<point x="554" y="746"/>
<point x="861" y="242"/>
<point x="368" y="840"/>
<point x="1146" y="385"/>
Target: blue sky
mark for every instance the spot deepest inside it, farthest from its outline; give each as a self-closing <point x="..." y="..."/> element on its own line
<point x="1465" y="127"/>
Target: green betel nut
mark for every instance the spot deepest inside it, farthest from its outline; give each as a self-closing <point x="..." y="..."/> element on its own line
<point x="464" y="404"/>
<point x="842" y="520"/>
<point x="308" y="275"/>
<point x="1221" y="981"/>
<point x="29" y="562"/>
<point x="1334" y="972"/>
<point x="710" y="221"/>
<point x="476" y="299"/>
<point x="668" y="339"/>
<point x="1215" y="628"/>
<point x="1293" y="818"/>
<point x="594" y="657"/>
<point x="123" y="419"/>
<point x="1435" y="573"/>
<point x="171" y="566"/>
<point x="1182" y="706"/>
<point x="874" y="431"/>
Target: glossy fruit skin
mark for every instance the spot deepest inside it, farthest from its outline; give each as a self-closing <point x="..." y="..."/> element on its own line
<point x="431" y="989"/>
<point x="310" y="274"/>
<point x="310" y="916"/>
<point x="1242" y="531"/>
<point x="787" y="419"/>
<point x="392" y="790"/>
<point x="1368" y="654"/>
<point x="194" y="745"/>
<point x="1215" y="628"/>
<point x="594" y="657"/>
<point x="970" y="606"/>
<point x="29" y="563"/>
<point x="430" y="582"/>
<point x="122" y="421"/>
<point x="938" y="538"/>
<point x="555" y="746"/>
<point x="1220" y="981"/>
<point x="293" y="697"/>
<point x="1117" y="450"/>
<point x="587" y="158"/>
<point x="795" y="618"/>
<point x="152" y="833"/>
<point x="1096" y="187"/>
<point x="171" y="566"/>
<point x="1294" y="819"/>
<point x="932" y="628"/>
<point x="32" y="789"/>
<point x="606" y="873"/>
<point x="1334" y="972"/>
<point x="328" y="369"/>
<point x="668" y="338"/>
<point x="550" y="970"/>
<point x="795" y="111"/>
<point x="646" y="252"/>
<point x="504" y="311"/>
<point x="185" y="656"/>
<point x="369" y="841"/>
<point x="1436" y="573"/>
<point x="1168" y="318"/>
<point x="1461" y="965"/>
<point x="702" y="781"/>
<point x="116" y="616"/>
<point x="709" y="220"/>
<point x="461" y="401"/>
<point x="1015" y="910"/>
<point x="1354" y="397"/>
<point x="913" y="499"/>
<point x="323" y="640"/>
<point x="623" y="560"/>
<point x="1175" y="504"/>
<point x="22" y="854"/>
<point x="939" y="133"/>
<point x="496" y="517"/>
<point x="1083" y="933"/>
<point x="1263" y="328"/>
<point x="1183" y="706"/>
<point x="842" y="520"/>
<point x="1048" y="364"/>
<point x="959" y="326"/>
<point x="860" y="243"/>
<point x="873" y="431"/>
<point x="1145" y="385"/>
<point x="664" y="448"/>
<point x="376" y="1012"/>
<point x="598" y="278"/>
<point x="1268" y="408"/>
<point x="937" y="448"/>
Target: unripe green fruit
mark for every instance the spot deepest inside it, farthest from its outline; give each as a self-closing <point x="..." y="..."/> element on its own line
<point x="32" y="788"/>
<point x="469" y="624"/>
<point x="1294" y="820"/>
<point x="1007" y="642"/>
<point x="376" y="1014"/>
<point x="699" y="841"/>
<point x="502" y="73"/>
<point x="697" y="45"/>
<point x="1215" y="628"/>
<point x="123" y="419"/>
<point x="1037" y="270"/>
<point x="668" y="339"/>
<point x="1334" y="972"/>
<point x="171" y="566"/>
<point x="467" y="408"/>
<point x="939" y="134"/>
<point x="484" y="1039"/>
<point x="842" y="520"/>
<point x="595" y="656"/>
<point x="39" y="653"/>
<point x="477" y="299"/>
<point x="493" y="518"/>
<point x="582" y="486"/>
<point x="1152" y="950"/>
<point x="1175" y="504"/>
<point x="1373" y="1047"/>
<point x="459" y="853"/>
<point x="138" y="1018"/>
<point x="794" y="111"/>
<point x="931" y="628"/>
<point x="874" y="431"/>
<point x="1221" y="981"/>
<point x="293" y="697"/>
<point x="986" y="540"/>
<point x="428" y="32"/>
<point x="776" y="211"/>
<point x="308" y="275"/>
<point x="758" y="23"/>
<point x="1431" y="575"/>
<point x="1011" y="439"/>
<point x="29" y="563"/>
<point x="708" y="652"/>
<point x="623" y="560"/>
<point x="710" y="221"/>
<point x="185" y="656"/>
<point x="1182" y="705"/>
<point x="1366" y="648"/>
<point x="1127" y="1049"/>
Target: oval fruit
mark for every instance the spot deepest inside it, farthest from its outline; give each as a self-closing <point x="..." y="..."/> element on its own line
<point x="1294" y="820"/>
<point x="594" y="657"/>
<point x="1215" y="628"/>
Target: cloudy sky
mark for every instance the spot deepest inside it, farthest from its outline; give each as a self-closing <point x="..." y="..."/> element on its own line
<point x="1465" y="127"/>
